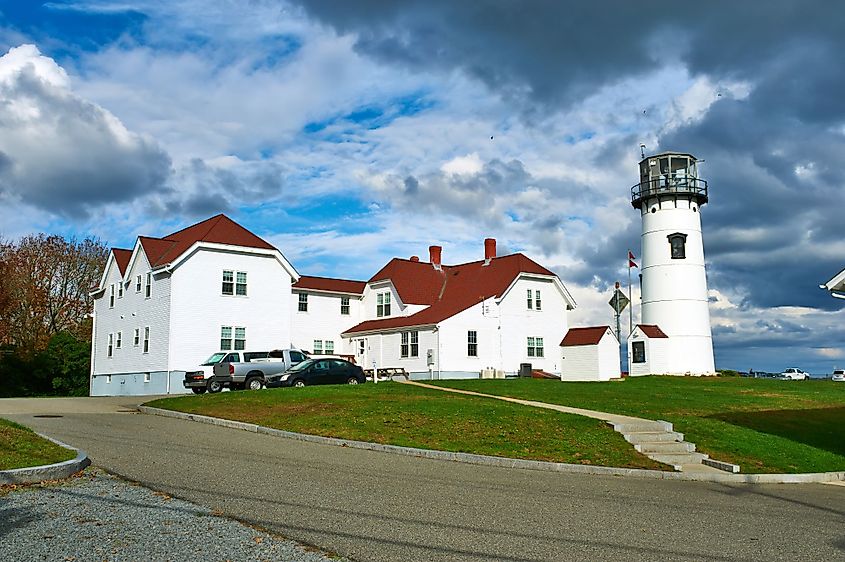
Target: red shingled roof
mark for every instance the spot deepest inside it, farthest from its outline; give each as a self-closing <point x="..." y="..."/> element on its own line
<point x="584" y="336"/>
<point x="219" y="229"/>
<point x="652" y="331"/>
<point x="447" y="292"/>
<point x="330" y="285"/>
<point x="121" y="258"/>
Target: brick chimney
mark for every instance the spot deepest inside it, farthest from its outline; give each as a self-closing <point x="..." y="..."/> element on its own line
<point x="415" y="258"/>
<point x="434" y="256"/>
<point x="489" y="250"/>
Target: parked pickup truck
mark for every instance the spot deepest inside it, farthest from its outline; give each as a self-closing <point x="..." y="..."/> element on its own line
<point x="199" y="381"/>
<point x="252" y="375"/>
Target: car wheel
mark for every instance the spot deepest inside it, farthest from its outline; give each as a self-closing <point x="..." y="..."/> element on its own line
<point x="253" y="383"/>
<point x="299" y="383"/>
<point x="214" y="387"/>
<point x="198" y="390"/>
<point x="351" y="380"/>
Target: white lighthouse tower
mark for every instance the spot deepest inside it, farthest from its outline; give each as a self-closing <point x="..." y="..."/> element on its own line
<point x="674" y="337"/>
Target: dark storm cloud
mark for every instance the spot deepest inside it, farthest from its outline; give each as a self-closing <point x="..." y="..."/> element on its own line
<point x="774" y="159"/>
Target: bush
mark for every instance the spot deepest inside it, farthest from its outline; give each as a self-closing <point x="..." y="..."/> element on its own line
<point x="62" y="369"/>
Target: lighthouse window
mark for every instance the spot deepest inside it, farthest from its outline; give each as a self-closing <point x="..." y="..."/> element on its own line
<point x="677" y="243"/>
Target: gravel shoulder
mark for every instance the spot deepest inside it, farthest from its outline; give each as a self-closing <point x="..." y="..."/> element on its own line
<point x="97" y="516"/>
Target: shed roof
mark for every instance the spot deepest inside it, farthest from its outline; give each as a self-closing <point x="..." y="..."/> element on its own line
<point x="590" y="335"/>
<point x="652" y="331"/>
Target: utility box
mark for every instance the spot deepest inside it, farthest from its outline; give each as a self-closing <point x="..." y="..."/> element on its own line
<point x="525" y="369"/>
<point x="429" y="357"/>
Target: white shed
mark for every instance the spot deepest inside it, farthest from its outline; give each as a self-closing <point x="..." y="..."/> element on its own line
<point x="648" y="351"/>
<point x="589" y="354"/>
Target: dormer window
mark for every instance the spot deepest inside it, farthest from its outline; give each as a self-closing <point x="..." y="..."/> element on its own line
<point x="677" y="245"/>
<point x="383" y="304"/>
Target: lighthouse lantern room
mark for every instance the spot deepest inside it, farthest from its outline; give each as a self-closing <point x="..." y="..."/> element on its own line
<point x="669" y="197"/>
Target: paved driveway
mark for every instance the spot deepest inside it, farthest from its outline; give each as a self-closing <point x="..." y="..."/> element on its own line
<point x="376" y="506"/>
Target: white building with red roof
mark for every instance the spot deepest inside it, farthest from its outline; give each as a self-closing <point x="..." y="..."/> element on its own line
<point x="167" y="304"/>
<point x="454" y="321"/>
<point x="589" y="354"/>
<point x="164" y="306"/>
<point x="649" y="350"/>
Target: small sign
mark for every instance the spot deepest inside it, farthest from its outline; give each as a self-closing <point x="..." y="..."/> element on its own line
<point x="620" y="298"/>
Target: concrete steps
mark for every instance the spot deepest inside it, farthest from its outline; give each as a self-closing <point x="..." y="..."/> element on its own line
<point x="665" y="447"/>
<point x="658" y="441"/>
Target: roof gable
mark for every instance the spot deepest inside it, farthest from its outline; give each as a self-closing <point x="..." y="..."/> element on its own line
<point x="121" y="258"/>
<point x="219" y="229"/>
<point x="585" y="336"/>
<point x="448" y="291"/>
<point x="330" y="285"/>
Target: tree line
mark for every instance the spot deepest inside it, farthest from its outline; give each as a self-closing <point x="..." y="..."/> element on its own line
<point x="45" y="307"/>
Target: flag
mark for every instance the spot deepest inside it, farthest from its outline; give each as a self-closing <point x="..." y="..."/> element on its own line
<point x="631" y="258"/>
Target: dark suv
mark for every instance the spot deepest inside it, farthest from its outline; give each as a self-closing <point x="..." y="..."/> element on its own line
<point x="318" y="371"/>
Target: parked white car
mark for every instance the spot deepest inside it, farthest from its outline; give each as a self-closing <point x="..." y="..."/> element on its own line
<point x="793" y="374"/>
<point x="838" y="375"/>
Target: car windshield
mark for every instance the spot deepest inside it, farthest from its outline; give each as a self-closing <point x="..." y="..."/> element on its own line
<point x="214" y="359"/>
<point x="303" y="365"/>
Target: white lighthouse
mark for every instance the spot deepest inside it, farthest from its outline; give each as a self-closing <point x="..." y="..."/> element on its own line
<point x="674" y="337"/>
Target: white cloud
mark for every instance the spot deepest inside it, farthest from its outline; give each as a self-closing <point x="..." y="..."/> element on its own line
<point x="60" y="152"/>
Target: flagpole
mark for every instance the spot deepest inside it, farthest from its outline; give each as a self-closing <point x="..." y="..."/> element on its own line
<point x="630" y="297"/>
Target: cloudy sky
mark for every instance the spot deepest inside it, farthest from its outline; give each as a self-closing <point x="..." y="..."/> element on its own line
<point x="348" y="133"/>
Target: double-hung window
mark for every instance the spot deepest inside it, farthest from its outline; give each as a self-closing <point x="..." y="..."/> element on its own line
<point x="228" y="287"/>
<point x="234" y="283"/>
<point x="538" y="304"/>
<point x="149" y="287"/>
<point x="225" y="338"/>
<point x="240" y="339"/>
<point x="472" y="343"/>
<point x="318" y="347"/>
<point x="409" y="345"/>
<point x="120" y="290"/>
<point x="138" y="283"/>
<point x="530" y="300"/>
<point x="535" y="347"/>
<point x="329" y="346"/>
<point x="136" y="340"/>
<point x="415" y="344"/>
<point x="303" y="302"/>
<point x="383" y="304"/>
<point x="344" y="306"/>
<point x="403" y="345"/>
<point x="111" y="345"/>
<point x="119" y="341"/>
<point x="240" y="283"/>
<point x="111" y="295"/>
<point x="146" y="339"/>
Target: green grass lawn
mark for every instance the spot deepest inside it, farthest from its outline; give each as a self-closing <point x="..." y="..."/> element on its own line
<point x="410" y="416"/>
<point x="21" y="447"/>
<point x="762" y="425"/>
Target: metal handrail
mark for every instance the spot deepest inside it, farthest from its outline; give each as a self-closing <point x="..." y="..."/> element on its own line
<point x="668" y="186"/>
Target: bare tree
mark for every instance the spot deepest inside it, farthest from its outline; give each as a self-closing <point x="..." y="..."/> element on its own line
<point x="45" y="284"/>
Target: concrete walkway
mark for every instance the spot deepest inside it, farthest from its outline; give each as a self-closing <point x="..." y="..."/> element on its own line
<point x="655" y="439"/>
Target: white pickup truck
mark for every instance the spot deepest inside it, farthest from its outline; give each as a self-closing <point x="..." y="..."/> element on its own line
<point x="252" y="374"/>
<point x="199" y="381"/>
